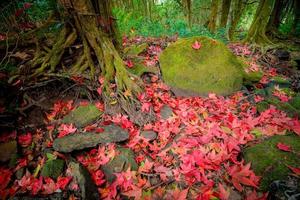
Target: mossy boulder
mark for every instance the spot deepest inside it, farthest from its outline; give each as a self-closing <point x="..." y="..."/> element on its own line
<point x="82" y="116"/>
<point x="212" y="68"/>
<point x="270" y="162"/>
<point x="53" y="168"/>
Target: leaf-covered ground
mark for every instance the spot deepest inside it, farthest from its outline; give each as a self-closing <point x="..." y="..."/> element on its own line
<point x="196" y="153"/>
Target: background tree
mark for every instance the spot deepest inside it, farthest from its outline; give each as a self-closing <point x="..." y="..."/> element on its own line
<point x="225" y="12"/>
<point x="257" y="30"/>
<point x="213" y="15"/>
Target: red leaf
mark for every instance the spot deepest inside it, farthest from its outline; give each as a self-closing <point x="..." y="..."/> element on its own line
<point x="295" y="170"/>
<point x="62" y="182"/>
<point x="283" y="147"/>
<point x="129" y="64"/>
<point x="196" y="45"/>
<point x="4" y="178"/>
<point x="25" y="139"/>
<point x="66" y="129"/>
<point x="223" y="193"/>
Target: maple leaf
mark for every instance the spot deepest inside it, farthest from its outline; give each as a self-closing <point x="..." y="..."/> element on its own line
<point x="99" y="90"/>
<point x="66" y="129"/>
<point x="283" y="147"/>
<point x="295" y="170"/>
<point x="242" y="175"/>
<point x="146" y="167"/>
<point x="129" y="64"/>
<point x="196" y="45"/>
<point x="49" y="187"/>
<point x="180" y="195"/>
<point x="36" y="185"/>
<point x="223" y="193"/>
<point x="25" y="139"/>
<point x="62" y="182"/>
<point x="4" y="178"/>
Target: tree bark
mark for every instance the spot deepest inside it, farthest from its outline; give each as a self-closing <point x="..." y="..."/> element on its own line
<point x="276" y="16"/>
<point x="257" y="30"/>
<point x="296" y="23"/>
<point x="91" y="23"/>
<point x="236" y="15"/>
<point x="225" y="12"/>
<point x="213" y="16"/>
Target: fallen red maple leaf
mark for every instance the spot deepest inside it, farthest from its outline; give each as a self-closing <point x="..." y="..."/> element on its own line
<point x="243" y="175"/>
<point x="196" y="45"/>
<point x="223" y="193"/>
<point x="129" y="64"/>
<point x="283" y="147"/>
<point x="25" y="139"/>
<point x="295" y="170"/>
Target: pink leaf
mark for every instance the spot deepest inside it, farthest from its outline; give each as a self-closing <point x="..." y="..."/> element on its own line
<point x="196" y="45"/>
<point x="295" y="170"/>
<point x="283" y="147"/>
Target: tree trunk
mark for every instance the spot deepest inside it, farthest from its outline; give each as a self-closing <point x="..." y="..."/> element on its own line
<point x="296" y="23"/>
<point x="257" y="30"/>
<point x="236" y="15"/>
<point x="91" y="23"/>
<point x="225" y="12"/>
<point x="213" y="16"/>
<point x="275" y="18"/>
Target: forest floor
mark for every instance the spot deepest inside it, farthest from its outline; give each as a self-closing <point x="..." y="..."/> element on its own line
<point x="194" y="147"/>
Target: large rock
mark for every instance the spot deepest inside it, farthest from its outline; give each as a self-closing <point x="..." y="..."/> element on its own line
<point x="83" y="115"/>
<point x="120" y="163"/>
<point x="87" y="186"/>
<point x="80" y="141"/>
<point x="270" y="162"/>
<point x="7" y="150"/>
<point x="191" y="72"/>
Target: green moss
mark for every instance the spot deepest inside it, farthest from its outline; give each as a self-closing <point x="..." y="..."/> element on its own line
<point x="212" y="68"/>
<point x="139" y="69"/>
<point x="53" y="168"/>
<point x="262" y="106"/>
<point x="295" y="101"/>
<point x="253" y="76"/>
<point x="270" y="162"/>
<point x="284" y="106"/>
<point x="135" y="50"/>
<point x="83" y="115"/>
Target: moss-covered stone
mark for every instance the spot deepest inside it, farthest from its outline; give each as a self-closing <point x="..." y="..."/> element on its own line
<point x="53" y="168"/>
<point x="82" y="116"/>
<point x="212" y="68"/>
<point x="270" y="162"/>
<point x="135" y="50"/>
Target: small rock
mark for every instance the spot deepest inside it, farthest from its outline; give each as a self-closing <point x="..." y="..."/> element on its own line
<point x="82" y="116"/>
<point x="120" y="163"/>
<point x="86" y="184"/>
<point x="80" y="141"/>
<point x="166" y="112"/>
<point x="53" y="168"/>
<point x="150" y="135"/>
<point x="7" y="150"/>
<point x="20" y="173"/>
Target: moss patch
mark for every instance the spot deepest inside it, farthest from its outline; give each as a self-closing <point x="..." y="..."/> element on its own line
<point x="212" y="68"/>
<point x="135" y="50"/>
<point x="83" y="115"/>
<point x="270" y="162"/>
<point x="139" y="68"/>
<point x="53" y="168"/>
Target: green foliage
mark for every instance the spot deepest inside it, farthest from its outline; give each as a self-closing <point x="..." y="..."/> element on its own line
<point x="40" y="9"/>
<point x="131" y="24"/>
